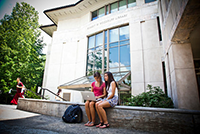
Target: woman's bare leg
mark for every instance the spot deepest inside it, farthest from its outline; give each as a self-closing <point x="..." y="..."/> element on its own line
<point x="92" y="111"/>
<point x="101" y="106"/>
<point x="87" y="110"/>
<point x="96" y="105"/>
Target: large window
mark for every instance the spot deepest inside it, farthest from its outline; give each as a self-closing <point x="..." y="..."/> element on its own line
<point x="113" y="7"/>
<point x="148" y="1"/>
<point x="109" y="51"/>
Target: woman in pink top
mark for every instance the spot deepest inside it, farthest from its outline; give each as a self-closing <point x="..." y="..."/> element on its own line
<point x="98" y="87"/>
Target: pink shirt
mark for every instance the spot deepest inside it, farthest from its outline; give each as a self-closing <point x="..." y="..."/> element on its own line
<point x="98" y="90"/>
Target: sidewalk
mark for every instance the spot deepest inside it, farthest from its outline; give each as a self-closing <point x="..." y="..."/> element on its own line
<point x="14" y="121"/>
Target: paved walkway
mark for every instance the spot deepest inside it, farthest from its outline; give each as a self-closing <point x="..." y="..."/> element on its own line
<point x="14" y="121"/>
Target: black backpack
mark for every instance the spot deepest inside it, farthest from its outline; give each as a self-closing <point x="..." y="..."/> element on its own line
<point x="73" y="114"/>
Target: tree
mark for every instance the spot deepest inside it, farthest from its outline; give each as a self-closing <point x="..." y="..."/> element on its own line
<point x="21" y="49"/>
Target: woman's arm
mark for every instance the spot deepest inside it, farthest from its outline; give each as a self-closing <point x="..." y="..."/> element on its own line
<point x="113" y="90"/>
<point x="91" y="88"/>
<point x="20" y="86"/>
<point x="103" y="95"/>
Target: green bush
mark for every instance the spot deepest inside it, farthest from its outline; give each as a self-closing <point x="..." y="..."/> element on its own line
<point x="154" y="97"/>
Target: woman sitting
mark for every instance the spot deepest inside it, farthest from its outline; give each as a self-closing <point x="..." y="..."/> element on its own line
<point x="110" y="101"/>
<point x="98" y="87"/>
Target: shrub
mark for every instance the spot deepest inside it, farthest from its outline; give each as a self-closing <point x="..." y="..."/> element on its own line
<point x="154" y="97"/>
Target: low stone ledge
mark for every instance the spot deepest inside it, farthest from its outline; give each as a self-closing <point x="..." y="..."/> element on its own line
<point x="138" y="118"/>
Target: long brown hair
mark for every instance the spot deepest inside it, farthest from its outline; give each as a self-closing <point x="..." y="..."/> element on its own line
<point x="98" y="75"/>
<point x="110" y="79"/>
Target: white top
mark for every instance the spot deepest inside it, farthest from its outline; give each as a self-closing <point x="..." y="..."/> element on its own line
<point x="110" y="90"/>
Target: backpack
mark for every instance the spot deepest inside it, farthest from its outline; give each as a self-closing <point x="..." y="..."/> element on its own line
<point x="73" y="114"/>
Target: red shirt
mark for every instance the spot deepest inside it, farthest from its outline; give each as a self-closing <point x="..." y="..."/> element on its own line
<point x="19" y="89"/>
<point x="98" y="90"/>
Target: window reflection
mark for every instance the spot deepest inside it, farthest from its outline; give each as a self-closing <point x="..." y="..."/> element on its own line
<point x="91" y="41"/>
<point x="118" y="48"/>
<point x="99" y="39"/>
<point x="131" y="3"/>
<point x="113" y="35"/>
<point x="113" y="44"/>
<point x="94" y="15"/>
<point x="125" y="69"/>
<point x="106" y="37"/>
<point x="122" y="5"/>
<point x="105" y="57"/>
<point x="124" y="42"/>
<point x="114" y="7"/>
<point x="125" y="55"/>
<point x="101" y="12"/>
<point x="124" y="33"/>
<point x="113" y="57"/>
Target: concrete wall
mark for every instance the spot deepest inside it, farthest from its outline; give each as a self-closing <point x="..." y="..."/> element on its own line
<point x="178" y="56"/>
<point x="138" y="118"/>
<point x="67" y="59"/>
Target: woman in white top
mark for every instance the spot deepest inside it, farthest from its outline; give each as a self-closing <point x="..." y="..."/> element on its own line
<point x="110" y="101"/>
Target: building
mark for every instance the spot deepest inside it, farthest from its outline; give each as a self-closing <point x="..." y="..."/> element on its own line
<point x="157" y="42"/>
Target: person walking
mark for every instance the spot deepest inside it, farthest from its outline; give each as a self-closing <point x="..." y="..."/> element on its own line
<point x="59" y="94"/>
<point x="19" y="93"/>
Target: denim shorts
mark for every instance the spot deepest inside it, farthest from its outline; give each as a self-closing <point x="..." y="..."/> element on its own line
<point x="113" y="101"/>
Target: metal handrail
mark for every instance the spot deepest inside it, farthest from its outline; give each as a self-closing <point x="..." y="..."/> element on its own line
<point x="51" y="93"/>
<point x="43" y="93"/>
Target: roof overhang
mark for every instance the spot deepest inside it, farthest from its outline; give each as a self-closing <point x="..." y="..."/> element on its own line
<point x="84" y="83"/>
<point x="49" y="29"/>
<point x="70" y="11"/>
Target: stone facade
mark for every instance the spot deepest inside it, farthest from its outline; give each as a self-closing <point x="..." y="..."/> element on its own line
<point x="178" y="20"/>
<point x="67" y="54"/>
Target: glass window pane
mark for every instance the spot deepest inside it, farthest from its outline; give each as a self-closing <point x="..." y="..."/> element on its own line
<point x="107" y="9"/>
<point x="114" y="35"/>
<point x="113" y="57"/>
<point x="113" y="44"/>
<point x="90" y="73"/>
<point x="98" y="60"/>
<point x="114" y="70"/>
<point x="125" y="68"/>
<point x="99" y="48"/>
<point x="90" y="50"/>
<point x="114" y="7"/>
<point x="94" y="15"/>
<point x="131" y="3"/>
<point x="90" y="60"/>
<point x="105" y="58"/>
<point x="148" y="1"/>
<point x="125" y="55"/>
<point x="101" y="12"/>
<point x="105" y="46"/>
<point x="122" y="5"/>
<point x="91" y="41"/>
<point x="106" y="37"/>
<point x="99" y="39"/>
<point x="124" y="32"/>
<point x="124" y="42"/>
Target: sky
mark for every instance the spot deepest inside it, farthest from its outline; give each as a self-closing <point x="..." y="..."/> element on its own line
<point x="40" y="5"/>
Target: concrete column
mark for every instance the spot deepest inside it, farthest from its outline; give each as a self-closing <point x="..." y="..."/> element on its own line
<point x="136" y="55"/>
<point x="181" y="77"/>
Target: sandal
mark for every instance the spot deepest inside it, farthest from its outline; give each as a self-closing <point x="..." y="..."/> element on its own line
<point x="91" y="124"/>
<point x="104" y="126"/>
<point x="100" y="124"/>
<point x="86" y="124"/>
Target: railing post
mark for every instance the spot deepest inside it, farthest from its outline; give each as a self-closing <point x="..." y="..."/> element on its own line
<point x="43" y="93"/>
